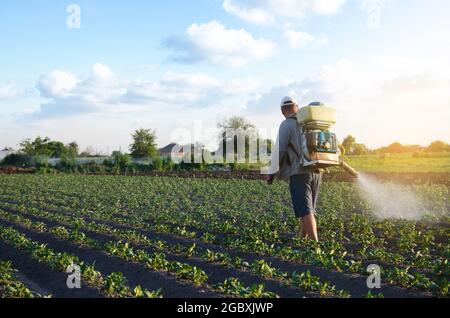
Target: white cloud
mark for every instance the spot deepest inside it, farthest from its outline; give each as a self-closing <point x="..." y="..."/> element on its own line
<point x="266" y="11"/>
<point x="239" y="86"/>
<point x="298" y="8"/>
<point x="105" y="91"/>
<point x="9" y="91"/>
<point x="102" y="108"/>
<point x="214" y="43"/>
<point x="101" y="86"/>
<point x="102" y="72"/>
<point x="154" y="93"/>
<point x="249" y="14"/>
<point x="326" y="7"/>
<point x="57" y="83"/>
<point x="298" y="39"/>
<point x="382" y="101"/>
<point x="195" y="89"/>
<point x="204" y="83"/>
<point x="190" y="80"/>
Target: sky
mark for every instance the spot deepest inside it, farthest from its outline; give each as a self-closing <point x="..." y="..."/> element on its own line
<point x="94" y="71"/>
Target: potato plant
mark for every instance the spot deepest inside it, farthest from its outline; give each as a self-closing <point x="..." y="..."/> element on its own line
<point x="11" y="286"/>
<point x="232" y="224"/>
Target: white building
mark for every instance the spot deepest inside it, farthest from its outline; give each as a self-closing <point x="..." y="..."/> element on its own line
<point x="168" y="151"/>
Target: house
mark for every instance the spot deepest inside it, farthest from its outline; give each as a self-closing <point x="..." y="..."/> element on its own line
<point x="6" y="152"/>
<point x="169" y="151"/>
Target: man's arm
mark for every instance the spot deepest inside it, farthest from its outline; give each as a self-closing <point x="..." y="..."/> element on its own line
<point x="283" y="142"/>
<point x="279" y="151"/>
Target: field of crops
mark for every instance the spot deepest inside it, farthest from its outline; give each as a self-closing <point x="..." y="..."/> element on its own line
<point x="172" y="237"/>
<point x="402" y="162"/>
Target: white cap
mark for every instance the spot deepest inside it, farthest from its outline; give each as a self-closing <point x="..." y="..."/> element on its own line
<point x="288" y="101"/>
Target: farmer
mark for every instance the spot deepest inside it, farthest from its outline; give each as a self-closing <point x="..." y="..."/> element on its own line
<point x="286" y="163"/>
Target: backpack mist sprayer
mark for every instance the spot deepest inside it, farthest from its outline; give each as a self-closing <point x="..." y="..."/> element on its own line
<point x="320" y="147"/>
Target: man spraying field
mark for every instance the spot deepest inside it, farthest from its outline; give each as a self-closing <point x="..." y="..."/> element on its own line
<point x="304" y="182"/>
<point x="305" y="146"/>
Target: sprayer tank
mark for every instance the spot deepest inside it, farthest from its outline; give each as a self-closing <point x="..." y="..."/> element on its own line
<point x="317" y="116"/>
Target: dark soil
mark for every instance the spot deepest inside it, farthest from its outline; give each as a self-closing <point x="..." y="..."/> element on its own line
<point x="41" y="278"/>
<point x="135" y="273"/>
<point x="217" y="273"/>
<point x="354" y="283"/>
<point x="16" y="170"/>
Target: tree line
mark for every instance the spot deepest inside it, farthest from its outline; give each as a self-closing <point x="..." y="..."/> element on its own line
<point x="351" y="147"/>
<point x="144" y="144"/>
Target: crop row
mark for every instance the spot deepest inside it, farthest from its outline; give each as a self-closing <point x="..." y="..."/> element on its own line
<point x="326" y="254"/>
<point x="11" y="286"/>
<point x="113" y="285"/>
<point x="152" y="261"/>
<point x="260" y="268"/>
<point x="412" y="254"/>
<point x="262" y="237"/>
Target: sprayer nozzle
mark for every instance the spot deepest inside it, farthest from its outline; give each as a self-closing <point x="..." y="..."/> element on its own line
<point x="349" y="169"/>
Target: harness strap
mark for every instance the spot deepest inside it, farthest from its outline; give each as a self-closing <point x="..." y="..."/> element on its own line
<point x="290" y="143"/>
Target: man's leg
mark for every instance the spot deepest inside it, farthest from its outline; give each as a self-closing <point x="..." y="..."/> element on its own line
<point x="311" y="224"/>
<point x="308" y="227"/>
<point x="304" y="191"/>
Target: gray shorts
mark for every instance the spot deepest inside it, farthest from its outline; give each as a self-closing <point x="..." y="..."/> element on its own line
<point x="305" y="192"/>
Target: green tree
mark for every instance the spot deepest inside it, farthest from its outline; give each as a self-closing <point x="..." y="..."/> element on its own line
<point x="68" y="157"/>
<point x="144" y="143"/>
<point x="237" y="124"/>
<point x="438" y="146"/>
<point x="43" y="147"/>
<point x="395" y="147"/>
<point x="359" y="149"/>
<point x="121" y="160"/>
<point x="158" y="163"/>
<point x="56" y="149"/>
<point x="348" y="144"/>
<point x="35" y="147"/>
<point x="73" y="149"/>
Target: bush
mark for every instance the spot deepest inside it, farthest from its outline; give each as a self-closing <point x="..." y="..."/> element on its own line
<point x="109" y="163"/>
<point x="438" y="146"/>
<point x="41" y="162"/>
<point x="157" y="164"/>
<point x="168" y="164"/>
<point x="45" y="170"/>
<point x="67" y="164"/>
<point x="92" y="167"/>
<point x="163" y="164"/>
<point x="136" y="167"/>
<point x="121" y="161"/>
<point x="18" y="160"/>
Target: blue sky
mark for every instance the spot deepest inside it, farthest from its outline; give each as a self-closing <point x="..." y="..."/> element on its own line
<point x="176" y="64"/>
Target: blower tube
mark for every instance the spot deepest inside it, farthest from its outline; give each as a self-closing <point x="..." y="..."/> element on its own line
<point x="349" y="169"/>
